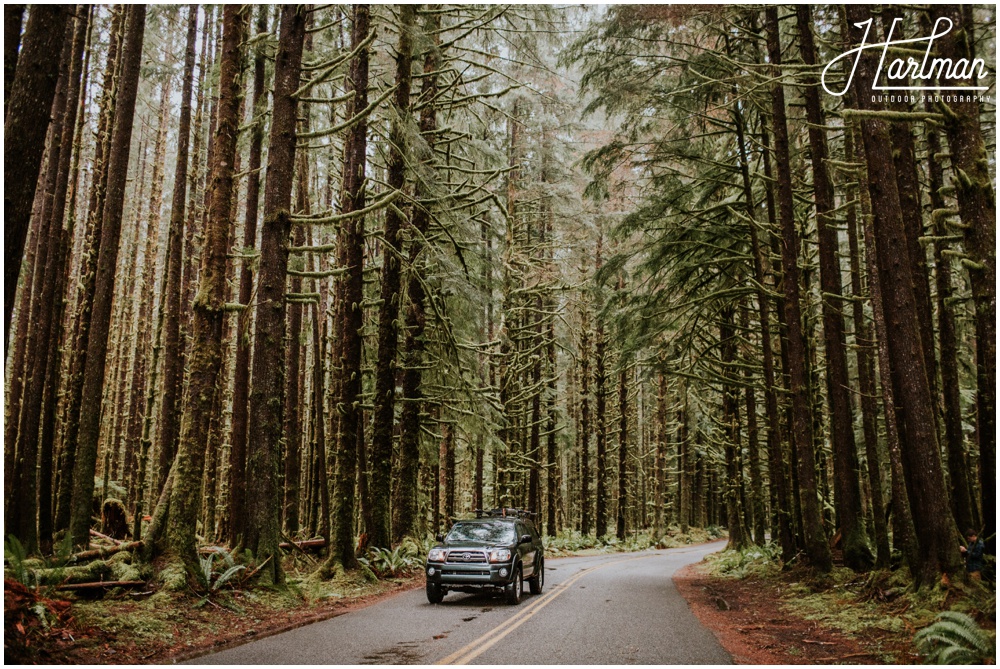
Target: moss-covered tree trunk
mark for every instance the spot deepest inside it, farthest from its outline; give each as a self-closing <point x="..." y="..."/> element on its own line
<point x="206" y="361"/>
<point x="974" y="188"/>
<point x="847" y="485"/>
<point x="97" y="342"/>
<point x="241" y="379"/>
<point x="88" y="272"/>
<point x="69" y="151"/>
<point x="585" y="503"/>
<point x="26" y="122"/>
<point x="405" y="519"/>
<point x="351" y="316"/>
<point x="935" y="531"/>
<point x="863" y="345"/>
<point x="263" y="529"/>
<point x="380" y="532"/>
<point x="173" y="345"/>
<point x="817" y="549"/>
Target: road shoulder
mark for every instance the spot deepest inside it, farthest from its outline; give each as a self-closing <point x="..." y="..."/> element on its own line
<point x="749" y="619"/>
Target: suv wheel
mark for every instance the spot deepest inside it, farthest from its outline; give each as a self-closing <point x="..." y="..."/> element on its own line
<point x="537" y="581"/>
<point x="512" y="591"/>
<point x="435" y="593"/>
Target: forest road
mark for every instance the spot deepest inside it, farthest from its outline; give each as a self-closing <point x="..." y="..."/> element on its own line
<point x="607" y="609"/>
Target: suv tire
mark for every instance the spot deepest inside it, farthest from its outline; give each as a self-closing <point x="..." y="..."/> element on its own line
<point x="512" y="591"/>
<point x="537" y="582"/>
<point x="435" y="593"/>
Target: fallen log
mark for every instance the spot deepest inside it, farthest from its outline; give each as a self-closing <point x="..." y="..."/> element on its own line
<point x="101" y="584"/>
<point x="96" y="553"/>
<point x="308" y="543"/>
<point x="95" y="533"/>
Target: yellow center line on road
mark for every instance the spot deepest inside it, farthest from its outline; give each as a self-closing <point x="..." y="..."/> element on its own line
<point x="473" y="650"/>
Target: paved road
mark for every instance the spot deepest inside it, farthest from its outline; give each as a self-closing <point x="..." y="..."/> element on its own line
<point x="608" y="609"/>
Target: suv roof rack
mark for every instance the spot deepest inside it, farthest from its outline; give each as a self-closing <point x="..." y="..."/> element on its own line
<point x="506" y="512"/>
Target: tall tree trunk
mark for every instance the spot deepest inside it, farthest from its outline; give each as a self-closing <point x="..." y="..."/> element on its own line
<point x="241" y="381"/>
<point x="847" y="486"/>
<point x="660" y="462"/>
<point x="70" y="145"/>
<point x="817" y="549"/>
<point x="405" y="493"/>
<point x="585" y="504"/>
<point x="21" y="508"/>
<point x="600" y="399"/>
<point x="88" y="271"/>
<point x="351" y="315"/>
<point x="383" y="419"/>
<point x="94" y="371"/>
<point x="730" y="420"/>
<point x="206" y="361"/>
<point x="962" y="505"/>
<point x="263" y="499"/>
<point x="168" y="424"/>
<point x="977" y="208"/>
<point x="863" y="343"/>
<point x="26" y="122"/>
<point x="775" y="453"/>
<point x="935" y="531"/>
<point x="621" y="525"/>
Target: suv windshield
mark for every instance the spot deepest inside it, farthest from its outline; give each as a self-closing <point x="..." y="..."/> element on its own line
<point x="485" y="532"/>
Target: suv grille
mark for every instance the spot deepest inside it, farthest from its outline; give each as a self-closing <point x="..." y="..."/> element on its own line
<point x="462" y="556"/>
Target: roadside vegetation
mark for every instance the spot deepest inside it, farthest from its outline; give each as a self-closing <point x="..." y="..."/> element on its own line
<point x="952" y="623"/>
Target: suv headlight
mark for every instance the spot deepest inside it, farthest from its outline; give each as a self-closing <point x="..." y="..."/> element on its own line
<point x="499" y="555"/>
<point x="435" y="555"/>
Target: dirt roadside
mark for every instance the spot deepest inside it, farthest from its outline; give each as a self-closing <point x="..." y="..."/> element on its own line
<point x="750" y="621"/>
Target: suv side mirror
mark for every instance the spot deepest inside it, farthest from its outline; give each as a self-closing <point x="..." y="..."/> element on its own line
<point x="439" y="538"/>
<point x="525" y="539"/>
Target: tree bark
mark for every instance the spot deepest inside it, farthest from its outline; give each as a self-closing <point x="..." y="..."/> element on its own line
<point x="863" y="343"/>
<point x="206" y="361"/>
<point x="351" y="349"/>
<point x="977" y="209"/>
<point x="962" y="505"/>
<point x="241" y="381"/>
<point x="263" y="528"/>
<point x="935" y="531"/>
<point x="26" y="122"/>
<point x="585" y="504"/>
<point x="817" y="549"/>
<point x="405" y="494"/>
<point x="97" y="342"/>
<point x="847" y="487"/>
<point x="173" y="345"/>
<point x="88" y="271"/>
<point x="380" y="533"/>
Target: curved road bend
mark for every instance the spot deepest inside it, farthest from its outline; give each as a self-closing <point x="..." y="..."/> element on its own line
<point x="608" y="609"/>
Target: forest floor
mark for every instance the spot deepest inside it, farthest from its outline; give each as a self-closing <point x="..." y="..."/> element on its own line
<point x="768" y="616"/>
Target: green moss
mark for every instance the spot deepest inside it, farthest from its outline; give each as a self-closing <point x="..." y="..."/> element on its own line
<point x="141" y="622"/>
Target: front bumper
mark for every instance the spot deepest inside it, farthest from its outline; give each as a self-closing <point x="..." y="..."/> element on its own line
<point x="487" y="574"/>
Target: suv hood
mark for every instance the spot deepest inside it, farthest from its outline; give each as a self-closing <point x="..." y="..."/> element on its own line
<point x="451" y="545"/>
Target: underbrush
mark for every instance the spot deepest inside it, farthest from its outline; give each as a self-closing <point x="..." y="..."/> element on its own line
<point x="952" y="622"/>
<point x="571" y="542"/>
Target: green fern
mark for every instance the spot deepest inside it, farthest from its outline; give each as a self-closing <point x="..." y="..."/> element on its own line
<point x="954" y="638"/>
<point x="15" y="555"/>
<point x="212" y="581"/>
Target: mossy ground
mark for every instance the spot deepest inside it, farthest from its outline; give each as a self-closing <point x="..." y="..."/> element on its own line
<point x="878" y="608"/>
<point x="164" y="624"/>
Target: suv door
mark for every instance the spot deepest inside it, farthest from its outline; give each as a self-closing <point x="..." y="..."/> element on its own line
<point x="527" y="550"/>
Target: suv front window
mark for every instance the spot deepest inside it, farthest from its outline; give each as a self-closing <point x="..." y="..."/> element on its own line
<point x="485" y="532"/>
